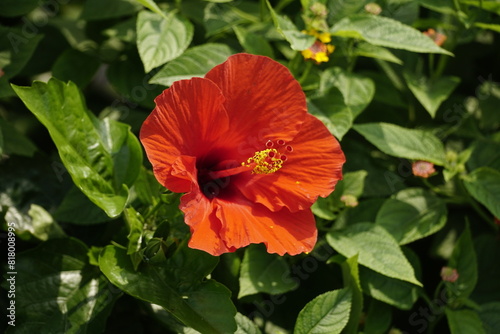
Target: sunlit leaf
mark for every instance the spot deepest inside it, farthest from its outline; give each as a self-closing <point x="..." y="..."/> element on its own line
<point x="402" y="142"/>
<point x="357" y="90"/>
<point x="102" y="157"/>
<point x="383" y="31"/>
<point x="431" y="92"/>
<point x="412" y="214"/>
<point x="151" y="5"/>
<point x="160" y="39"/>
<point x="253" y="43"/>
<point x="195" y="62"/>
<point x="328" y="313"/>
<point x="297" y="39"/>
<point x="369" y="241"/>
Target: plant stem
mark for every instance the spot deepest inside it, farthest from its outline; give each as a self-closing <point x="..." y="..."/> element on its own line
<point x="391" y="74"/>
<point x="306" y="72"/>
<point x="153" y="210"/>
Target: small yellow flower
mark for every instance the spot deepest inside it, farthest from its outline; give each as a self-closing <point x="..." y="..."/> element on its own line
<point x="320" y="50"/>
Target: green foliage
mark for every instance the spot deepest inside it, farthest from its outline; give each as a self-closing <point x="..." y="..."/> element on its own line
<point x="102" y="157"/>
<point x="75" y="298"/>
<point x="403" y="143"/>
<point x="195" y="62"/>
<point x="263" y="272"/>
<point x="383" y="31"/>
<point x="368" y="240"/>
<point x="327" y="313"/>
<point x="177" y="285"/>
<point x="102" y="247"/>
<point x="161" y="39"/>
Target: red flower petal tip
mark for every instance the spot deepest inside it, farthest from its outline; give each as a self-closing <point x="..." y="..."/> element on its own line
<point x="250" y="159"/>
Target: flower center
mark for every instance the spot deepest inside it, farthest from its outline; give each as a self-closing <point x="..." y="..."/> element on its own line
<point x="269" y="160"/>
<point x="212" y="181"/>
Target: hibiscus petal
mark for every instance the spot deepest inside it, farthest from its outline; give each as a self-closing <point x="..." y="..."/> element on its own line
<point x="282" y="232"/>
<point x="189" y="119"/>
<point x="204" y="225"/>
<point x="262" y="100"/>
<point x="182" y="174"/>
<point x="311" y="170"/>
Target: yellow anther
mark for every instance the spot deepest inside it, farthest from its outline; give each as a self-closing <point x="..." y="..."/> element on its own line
<point x="265" y="162"/>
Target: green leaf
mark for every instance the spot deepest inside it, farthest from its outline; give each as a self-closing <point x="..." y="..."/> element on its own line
<point x="440" y="6"/>
<point x="298" y="40"/>
<point x="16" y="49"/>
<point x="489" y="26"/>
<point x="485" y="153"/>
<point x="11" y="8"/>
<point x="484" y="185"/>
<point x="76" y="201"/>
<point x="146" y="187"/>
<point x="412" y="214"/>
<point x="338" y="9"/>
<point x="463" y="259"/>
<point x="378" y="318"/>
<point x="13" y="142"/>
<point x="253" y="43"/>
<point x="357" y="90"/>
<point x="245" y="325"/>
<point x="342" y="97"/>
<point x="327" y="313"/>
<point x="222" y="17"/>
<point x="402" y="142"/>
<point x="160" y="40"/>
<point x="353" y="183"/>
<point x="136" y="230"/>
<point x="365" y="211"/>
<point x="464" y="322"/>
<point x="487" y="250"/>
<point x="377" y="52"/>
<point x="65" y="70"/>
<point x="383" y="31"/>
<point x="101" y="10"/>
<point x="264" y="272"/>
<point x="151" y="5"/>
<point x="332" y="110"/>
<point x="431" y="92"/>
<point x="128" y="79"/>
<point x="350" y="275"/>
<point x="376" y="249"/>
<point x="400" y="294"/>
<point x="102" y="157"/>
<point x="195" y="62"/>
<point x="490" y="317"/>
<point x="177" y="284"/>
<point x="57" y="291"/>
<point x="491" y="6"/>
<point x="43" y="225"/>
<point x="488" y="95"/>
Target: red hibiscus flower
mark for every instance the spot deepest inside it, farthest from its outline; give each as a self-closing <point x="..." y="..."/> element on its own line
<point x="249" y="157"/>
